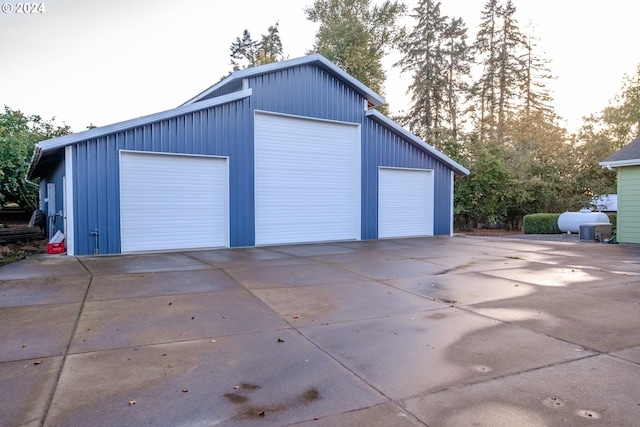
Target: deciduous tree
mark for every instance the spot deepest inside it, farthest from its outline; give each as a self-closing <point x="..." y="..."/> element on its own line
<point x="18" y="136"/>
<point x="356" y="35"/>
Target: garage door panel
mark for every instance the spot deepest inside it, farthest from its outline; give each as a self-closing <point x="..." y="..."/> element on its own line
<point x="405" y="202"/>
<point x="307" y="180"/>
<point x="172" y="201"/>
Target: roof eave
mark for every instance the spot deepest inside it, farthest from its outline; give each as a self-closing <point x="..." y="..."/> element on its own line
<point x="385" y="121"/>
<point x="63" y="141"/>
<point x="55" y="144"/>
<point x="620" y="163"/>
<point x="35" y="158"/>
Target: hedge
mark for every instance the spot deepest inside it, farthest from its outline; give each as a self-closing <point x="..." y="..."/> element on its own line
<point x="613" y="219"/>
<point x="542" y="223"/>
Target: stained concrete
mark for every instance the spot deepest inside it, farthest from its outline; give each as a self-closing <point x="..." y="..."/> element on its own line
<point x="441" y="331"/>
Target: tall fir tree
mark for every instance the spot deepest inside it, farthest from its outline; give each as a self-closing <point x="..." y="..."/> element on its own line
<point x="246" y="52"/>
<point x="436" y="55"/>
<point x="484" y="90"/>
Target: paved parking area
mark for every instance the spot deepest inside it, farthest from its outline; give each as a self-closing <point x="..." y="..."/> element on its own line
<point x="442" y="331"/>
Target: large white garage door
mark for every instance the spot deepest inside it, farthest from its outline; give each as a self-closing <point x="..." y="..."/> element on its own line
<point x="307" y="180"/>
<point x="405" y="202"/>
<point x="172" y="201"/>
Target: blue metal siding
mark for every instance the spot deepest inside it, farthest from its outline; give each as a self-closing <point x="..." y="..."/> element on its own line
<point x="228" y="88"/>
<point x="382" y="147"/>
<point x="225" y="130"/>
<point x="228" y="130"/>
<point x="54" y="176"/>
<point x="312" y="92"/>
<point x="307" y="91"/>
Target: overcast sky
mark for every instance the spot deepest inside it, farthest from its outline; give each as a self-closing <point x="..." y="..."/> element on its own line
<point x="105" y="61"/>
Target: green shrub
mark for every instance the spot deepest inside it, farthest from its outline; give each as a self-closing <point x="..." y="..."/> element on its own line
<point x="541" y="223"/>
<point x="613" y="219"/>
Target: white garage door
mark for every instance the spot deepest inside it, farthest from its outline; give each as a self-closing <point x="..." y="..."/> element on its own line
<point x="307" y="180"/>
<point x="405" y="202"/>
<point x="172" y="201"/>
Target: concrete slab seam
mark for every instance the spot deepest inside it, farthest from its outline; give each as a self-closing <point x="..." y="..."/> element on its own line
<point x="68" y="346"/>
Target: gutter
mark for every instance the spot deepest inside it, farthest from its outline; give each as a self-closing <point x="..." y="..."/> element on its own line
<point x="35" y="159"/>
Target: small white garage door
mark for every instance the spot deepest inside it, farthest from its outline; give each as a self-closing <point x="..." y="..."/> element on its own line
<point x="405" y="202"/>
<point x="307" y="180"/>
<point x="172" y="201"/>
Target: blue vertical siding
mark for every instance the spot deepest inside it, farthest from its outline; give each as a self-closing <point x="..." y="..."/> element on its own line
<point x="54" y="176"/>
<point x="228" y="130"/>
<point x="224" y="130"/>
<point x="307" y="91"/>
<point x="382" y="147"/>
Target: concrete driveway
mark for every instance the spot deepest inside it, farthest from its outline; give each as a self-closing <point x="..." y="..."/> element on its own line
<point x="443" y="331"/>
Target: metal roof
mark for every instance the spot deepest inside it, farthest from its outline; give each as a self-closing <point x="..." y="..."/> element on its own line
<point x="313" y="59"/>
<point x="629" y="155"/>
<point x="395" y="127"/>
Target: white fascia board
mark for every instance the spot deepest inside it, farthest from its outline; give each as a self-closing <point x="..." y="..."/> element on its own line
<point x="316" y="58"/>
<point x="621" y="163"/>
<point x="63" y="141"/>
<point x="387" y="122"/>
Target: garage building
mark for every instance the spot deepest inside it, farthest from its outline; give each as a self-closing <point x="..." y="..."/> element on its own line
<point x="290" y="152"/>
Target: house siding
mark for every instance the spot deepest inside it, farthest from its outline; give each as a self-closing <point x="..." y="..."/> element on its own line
<point x="628" y="227"/>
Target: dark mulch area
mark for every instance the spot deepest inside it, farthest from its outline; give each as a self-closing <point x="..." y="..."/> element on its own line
<point x="478" y="232"/>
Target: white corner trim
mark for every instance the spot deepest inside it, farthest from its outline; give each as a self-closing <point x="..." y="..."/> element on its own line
<point x="69" y="201"/>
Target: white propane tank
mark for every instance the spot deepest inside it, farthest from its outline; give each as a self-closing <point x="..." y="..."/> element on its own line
<point x="569" y="222"/>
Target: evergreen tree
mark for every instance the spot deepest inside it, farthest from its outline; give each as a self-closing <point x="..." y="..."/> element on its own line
<point x="510" y="70"/>
<point x="246" y="52"/>
<point x="484" y="90"/>
<point x="457" y="59"/>
<point x="537" y="97"/>
<point x="424" y="58"/>
<point x="499" y="44"/>
<point x="436" y="54"/>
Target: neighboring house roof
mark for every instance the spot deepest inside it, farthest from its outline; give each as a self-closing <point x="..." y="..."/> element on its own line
<point x="629" y="155"/>
<point x="315" y="59"/>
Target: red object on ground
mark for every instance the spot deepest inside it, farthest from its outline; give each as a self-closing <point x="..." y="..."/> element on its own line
<point x="55" y="248"/>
